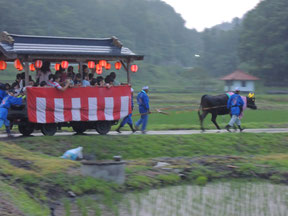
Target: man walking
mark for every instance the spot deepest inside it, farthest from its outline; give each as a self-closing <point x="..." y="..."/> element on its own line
<point x="235" y="104"/>
<point x="128" y="119"/>
<point x="144" y="109"/>
<point x="4" y="107"/>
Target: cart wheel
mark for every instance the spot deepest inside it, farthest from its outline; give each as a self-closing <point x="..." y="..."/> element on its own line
<point x="103" y="127"/>
<point x="79" y="127"/>
<point x="26" y="128"/>
<point x="49" y="129"/>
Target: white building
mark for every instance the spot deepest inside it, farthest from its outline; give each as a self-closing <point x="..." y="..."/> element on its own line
<point x="238" y="78"/>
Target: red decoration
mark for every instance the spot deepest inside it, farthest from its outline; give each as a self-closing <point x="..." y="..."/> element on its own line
<point x="3" y="65"/>
<point x="57" y="66"/>
<point x="108" y="66"/>
<point x="38" y="64"/>
<point x="102" y="63"/>
<point x="17" y="63"/>
<point x="99" y="69"/>
<point x="64" y="64"/>
<point x="91" y="64"/>
<point x="20" y="67"/>
<point x="118" y="65"/>
<point x="32" y="67"/>
<point x="134" y="68"/>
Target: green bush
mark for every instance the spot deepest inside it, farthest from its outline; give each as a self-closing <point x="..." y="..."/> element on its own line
<point x="201" y="180"/>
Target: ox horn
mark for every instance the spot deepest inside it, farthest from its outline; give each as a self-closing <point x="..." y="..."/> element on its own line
<point x="251" y="95"/>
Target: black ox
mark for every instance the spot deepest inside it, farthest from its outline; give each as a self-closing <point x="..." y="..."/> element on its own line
<point x="217" y="105"/>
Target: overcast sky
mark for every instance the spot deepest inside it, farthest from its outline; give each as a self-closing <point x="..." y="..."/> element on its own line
<point x="200" y="14"/>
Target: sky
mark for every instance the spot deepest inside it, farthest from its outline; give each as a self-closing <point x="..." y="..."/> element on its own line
<point x="200" y="14"/>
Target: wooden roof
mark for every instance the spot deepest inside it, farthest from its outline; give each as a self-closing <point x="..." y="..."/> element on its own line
<point x="239" y="75"/>
<point x="30" y="48"/>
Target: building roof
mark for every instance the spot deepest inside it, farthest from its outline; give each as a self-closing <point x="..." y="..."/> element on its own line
<point x="239" y="75"/>
<point x="28" y="47"/>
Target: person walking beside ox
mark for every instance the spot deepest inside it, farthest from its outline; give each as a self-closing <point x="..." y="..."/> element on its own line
<point x="144" y="109"/>
<point x="235" y="105"/>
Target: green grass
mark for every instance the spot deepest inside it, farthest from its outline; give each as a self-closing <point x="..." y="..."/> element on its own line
<point x="135" y="147"/>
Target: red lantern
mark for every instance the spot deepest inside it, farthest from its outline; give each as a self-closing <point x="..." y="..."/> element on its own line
<point x="91" y="64"/>
<point x="38" y="64"/>
<point x="118" y="65"/>
<point x="3" y="65"/>
<point x="108" y="66"/>
<point x="20" y="68"/>
<point x="102" y="63"/>
<point x="17" y="63"/>
<point x="57" y="66"/>
<point x="134" y="68"/>
<point x="32" y="67"/>
<point x="99" y="69"/>
<point x="64" y="64"/>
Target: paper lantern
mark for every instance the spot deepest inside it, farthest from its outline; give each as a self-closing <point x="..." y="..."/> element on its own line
<point x="118" y="65"/>
<point x="32" y="67"/>
<point x="64" y="64"/>
<point x="102" y="63"/>
<point x="99" y="71"/>
<point x="108" y="66"/>
<point x="91" y="64"/>
<point x="57" y="66"/>
<point x="134" y="68"/>
<point x="20" y="68"/>
<point x="38" y="64"/>
<point x="3" y="65"/>
<point x="17" y="64"/>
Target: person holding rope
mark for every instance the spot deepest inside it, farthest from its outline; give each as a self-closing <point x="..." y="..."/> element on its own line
<point x="128" y="119"/>
<point x="235" y="105"/>
<point x="144" y="109"/>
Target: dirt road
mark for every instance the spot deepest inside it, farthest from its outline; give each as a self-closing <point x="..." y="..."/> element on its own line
<point x="166" y="132"/>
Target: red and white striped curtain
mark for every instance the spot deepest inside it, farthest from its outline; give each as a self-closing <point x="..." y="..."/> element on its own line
<point x="49" y="105"/>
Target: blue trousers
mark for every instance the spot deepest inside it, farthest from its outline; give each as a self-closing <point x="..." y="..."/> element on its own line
<point x="127" y="120"/>
<point x="6" y="122"/>
<point x="143" y="120"/>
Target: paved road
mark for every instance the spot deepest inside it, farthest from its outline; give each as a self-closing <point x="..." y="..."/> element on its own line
<point x="166" y="132"/>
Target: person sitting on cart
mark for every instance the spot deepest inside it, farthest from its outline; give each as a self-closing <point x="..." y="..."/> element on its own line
<point x="54" y="82"/>
<point x="4" y="107"/>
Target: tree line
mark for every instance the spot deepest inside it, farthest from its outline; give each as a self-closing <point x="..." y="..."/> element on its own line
<point x="257" y="43"/>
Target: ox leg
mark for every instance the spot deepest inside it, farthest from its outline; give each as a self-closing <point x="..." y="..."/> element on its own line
<point x="201" y="118"/>
<point x="213" y="119"/>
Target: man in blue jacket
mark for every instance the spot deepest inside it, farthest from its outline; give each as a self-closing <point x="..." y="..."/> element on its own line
<point x="144" y="109"/>
<point x="128" y="119"/>
<point x="4" y="107"/>
<point x="235" y="104"/>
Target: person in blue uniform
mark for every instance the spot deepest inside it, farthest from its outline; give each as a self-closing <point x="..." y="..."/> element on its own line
<point x="4" y="107"/>
<point x="144" y="109"/>
<point x="128" y="119"/>
<point x="235" y="105"/>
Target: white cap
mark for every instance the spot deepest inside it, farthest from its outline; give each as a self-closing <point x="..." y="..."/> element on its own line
<point x="145" y="88"/>
<point x="236" y="89"/>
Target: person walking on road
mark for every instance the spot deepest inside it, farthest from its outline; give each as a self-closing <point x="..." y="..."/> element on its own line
<point x="128" y="119"/>
<point x="235" y="105"/>
<point x="144" y="109"/>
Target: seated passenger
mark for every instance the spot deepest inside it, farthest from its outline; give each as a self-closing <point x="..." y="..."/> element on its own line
<point x="108" y="81"/>
<point x="113" y="78"/>
<point x="54" y="82"/>
<point x="42" y="84"/>
<point x="77" y="81"/>
<point x="85" y="81"/>
<point x="100" y="81"/>
<point x="93" y="82"/>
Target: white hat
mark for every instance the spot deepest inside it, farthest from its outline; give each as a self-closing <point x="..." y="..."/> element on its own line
<point x="236" y="89"/>
<point x="145" y="88"/>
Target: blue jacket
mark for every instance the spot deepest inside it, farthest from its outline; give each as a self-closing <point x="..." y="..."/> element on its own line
<point x="6" y="104"/>
<point x="143" y="102"/>
<point x="235" y="103"/>
<point x="2" y="95"/>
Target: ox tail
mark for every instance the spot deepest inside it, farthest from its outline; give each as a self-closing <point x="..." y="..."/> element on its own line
<point x="200" y="108"/>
